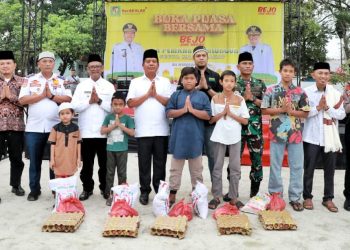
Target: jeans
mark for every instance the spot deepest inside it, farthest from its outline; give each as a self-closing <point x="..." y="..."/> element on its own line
<point x="295" y="162"/>
<point x="209" y="148"/>
<point x="36" y="143"/>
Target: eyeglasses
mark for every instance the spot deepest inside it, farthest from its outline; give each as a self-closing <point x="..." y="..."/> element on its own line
<point x="94" y="67"/>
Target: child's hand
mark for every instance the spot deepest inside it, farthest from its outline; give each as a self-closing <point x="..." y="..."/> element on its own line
<point x="227" y="110"/>
<point x="52" y="164"/>
<point x="116" y="121"/>
<point x="189" y="104"/>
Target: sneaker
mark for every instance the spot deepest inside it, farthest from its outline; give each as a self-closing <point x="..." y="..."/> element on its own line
<point x="19" y="191"/>
<point x="347" y="205"/>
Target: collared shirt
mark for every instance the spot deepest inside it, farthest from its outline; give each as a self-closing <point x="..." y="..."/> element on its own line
<point x="346" y="96"/>
<point x="262" y="56"/>
<point x="285" y="128"/>
<point x="43" y="115"/>
<point x="313" y="131"/>
<point x="133" y="53"/>
<point x="150" y="118"/>
<point x="91" y="116"/>
<point x="258" y="88"/>
<point x="11" y="112"/>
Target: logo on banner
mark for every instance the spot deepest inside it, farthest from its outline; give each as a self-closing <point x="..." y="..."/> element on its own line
<point x="263" y="10"/>
<point x="115" y="10"/>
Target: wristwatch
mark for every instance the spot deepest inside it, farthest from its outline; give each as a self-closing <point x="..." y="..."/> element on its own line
<point x="99" y="101"/>
<point x="207" y="89"/>
<point x="254" y="98"/>
<point x="52" y="96"/>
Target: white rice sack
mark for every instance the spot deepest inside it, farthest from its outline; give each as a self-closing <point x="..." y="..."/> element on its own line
<point x="64" y="188"/>
<point x="256" y="204"/>
<point x="126" y="192"/>
<point x="160" y="205"/>
<point x="200" y="200"/>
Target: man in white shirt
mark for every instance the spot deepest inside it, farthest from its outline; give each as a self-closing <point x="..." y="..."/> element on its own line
<point x="42" y="93"/>
<point x="92" y="101"/>
<point x="321" y="135"/>
<point x="262" y="53"/>
<point x="149" y="95"/>
<point x="127" y="56"/>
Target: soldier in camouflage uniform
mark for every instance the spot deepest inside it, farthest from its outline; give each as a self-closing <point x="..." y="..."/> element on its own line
<point x="252" y="90"/>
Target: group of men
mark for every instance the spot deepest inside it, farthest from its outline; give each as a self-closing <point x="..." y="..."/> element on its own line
<point x="149" y="95"/>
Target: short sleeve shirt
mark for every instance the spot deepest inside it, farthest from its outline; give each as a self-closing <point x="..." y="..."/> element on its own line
<point x="66" y="139"/>
<point x="187" y="136"/>
<point x="117" y="140"/>
<point x="258" y="88"/>
<point x="285" y="128"/>
<point x="43" y="115"/>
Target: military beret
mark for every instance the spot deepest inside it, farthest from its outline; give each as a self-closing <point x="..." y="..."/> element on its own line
<point x="129" y="27"/>
<point x="253" y="30"/>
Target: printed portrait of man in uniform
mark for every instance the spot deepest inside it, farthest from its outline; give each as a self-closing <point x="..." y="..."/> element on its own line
<point x="126" y="58"/>
<point x="262" y="53"/>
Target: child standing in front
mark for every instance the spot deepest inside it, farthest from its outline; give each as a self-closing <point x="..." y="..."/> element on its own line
<point x="189" y="108"/>
<point x="118" y="126"/>
<point x="65" y="143"/>
<point x="229" y="112"/>
<point x="287" y="105"/>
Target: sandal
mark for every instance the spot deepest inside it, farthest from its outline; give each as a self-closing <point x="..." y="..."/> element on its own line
<point x="307" y="204"/>
<point x="330" y="206"/>
<point x="214" y="203"/>
<point x="297" y="206"/>
<point x="237" y="203"/>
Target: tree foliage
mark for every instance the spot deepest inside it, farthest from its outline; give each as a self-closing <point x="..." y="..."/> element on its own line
<point x="336" y="16"/>
<point x="10" y="26"/>
<point x="313" y="37"/>
<point x="69" y="36"/>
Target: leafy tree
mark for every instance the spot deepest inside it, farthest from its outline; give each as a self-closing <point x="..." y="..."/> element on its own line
<point x="73" y="7"/>
<point x="69" y="36"/>
<point x="312" y="34"/>
<point x="10" y="26"/>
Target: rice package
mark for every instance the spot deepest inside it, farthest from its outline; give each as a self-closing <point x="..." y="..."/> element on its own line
<point x="65" y="188"/>
<point x="160" y="205"/>
<point x="256" y="204"/>
<point x="200" y="200"/>
<point x="126" y="192"/>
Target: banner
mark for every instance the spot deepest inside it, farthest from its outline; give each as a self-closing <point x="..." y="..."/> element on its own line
<point x="174" y="29"/>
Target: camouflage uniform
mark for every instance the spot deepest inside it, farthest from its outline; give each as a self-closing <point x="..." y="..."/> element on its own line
<point x="252" y="133"/>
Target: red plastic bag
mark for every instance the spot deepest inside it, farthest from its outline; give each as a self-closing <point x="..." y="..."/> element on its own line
<point x="123" y="209"/>
<point x="70" y="205"/>
<point x="181" y="208"/>
<point x="226" y="209"/>
<point x="276" y="203"/>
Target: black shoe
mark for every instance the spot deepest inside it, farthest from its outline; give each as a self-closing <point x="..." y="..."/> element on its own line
<point x="19" y="191"/>
<point x="254" y="188"/>
<point x="32" y="196"/>
<point x="85" y="195"/>
<point x="347" y="205"/>
<point x="144" y="199"/>
<point x="226" y="198"/>
<point x="105" y="194"/>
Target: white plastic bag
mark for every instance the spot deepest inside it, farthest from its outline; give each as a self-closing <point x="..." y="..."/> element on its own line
<point x="64" y="188"/>
<point x="200" y="200"/>
<point x="160" y="205"/>
<point x="126" y="192"/>
<point x="256" y="204"/>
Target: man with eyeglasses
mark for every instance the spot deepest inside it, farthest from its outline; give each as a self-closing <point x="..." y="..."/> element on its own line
<point x="92" y="100"/>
